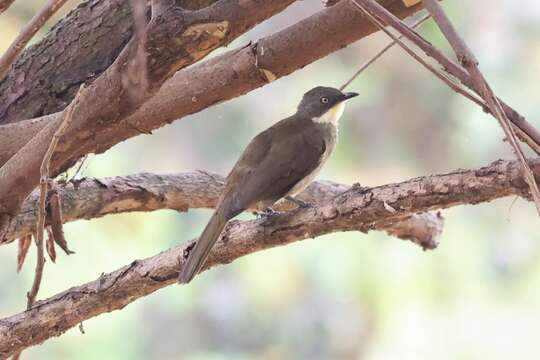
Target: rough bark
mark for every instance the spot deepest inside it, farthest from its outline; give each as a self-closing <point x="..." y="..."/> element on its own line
<point x="27" y="33"/>
<point x="42" y="82"/>
<point x="175" y="39"/>
<point x="356" y="209"/>
<point x="93" y="198"/>
<point x="89" y="38"/>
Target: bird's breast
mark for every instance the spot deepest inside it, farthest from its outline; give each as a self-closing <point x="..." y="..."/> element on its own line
<point x="326" y="132"/>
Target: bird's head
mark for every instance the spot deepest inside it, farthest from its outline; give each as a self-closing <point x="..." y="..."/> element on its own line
<point x="324" y="104"/>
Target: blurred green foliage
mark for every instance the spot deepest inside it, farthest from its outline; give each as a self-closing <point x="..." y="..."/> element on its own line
<point x="341" y="296"/>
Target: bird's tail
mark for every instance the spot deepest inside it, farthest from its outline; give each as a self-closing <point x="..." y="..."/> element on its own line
<point x="199" y="253"/>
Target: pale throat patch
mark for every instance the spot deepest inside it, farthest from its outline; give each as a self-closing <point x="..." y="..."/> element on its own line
<point x="332" y="115"/>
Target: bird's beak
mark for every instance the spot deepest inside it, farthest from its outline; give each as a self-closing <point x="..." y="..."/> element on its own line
<point x="349" y="95"/>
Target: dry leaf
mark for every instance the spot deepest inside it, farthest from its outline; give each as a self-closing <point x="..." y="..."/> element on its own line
<point x="57" y="226"/>
<point x="24" y="245"/>
<point x="50" y="245"/>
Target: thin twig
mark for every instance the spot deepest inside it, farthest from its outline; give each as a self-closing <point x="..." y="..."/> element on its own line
<point x="524" y="136"/>
<point x="43" y="188"/>
<point x="40" y="261"/>
<point x="443" y="77"/>
<point x="79" y="171"/>
<point x="469" y="62"/>
<point x="27" y="33"/>
<point x="448" y="65"/>
<point x="380" y="53"/>
<point x="44" y="185"/>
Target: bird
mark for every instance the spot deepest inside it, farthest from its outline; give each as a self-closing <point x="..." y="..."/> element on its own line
<point x="278" y="163"/>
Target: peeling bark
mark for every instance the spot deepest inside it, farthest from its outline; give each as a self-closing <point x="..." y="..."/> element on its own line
<point x="93" y="198"/>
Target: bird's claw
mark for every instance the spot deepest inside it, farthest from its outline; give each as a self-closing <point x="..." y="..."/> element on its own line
<point x="266" y="212"/>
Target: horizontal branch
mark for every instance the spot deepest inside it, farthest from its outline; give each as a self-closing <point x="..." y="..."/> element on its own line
<point x="93" y="198"/>
<point x="356" y="209"/>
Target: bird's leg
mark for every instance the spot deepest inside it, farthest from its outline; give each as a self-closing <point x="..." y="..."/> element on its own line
<point x="266" y="212"/>
<point x="269" y="211"/>
<point x="301" y="204"/>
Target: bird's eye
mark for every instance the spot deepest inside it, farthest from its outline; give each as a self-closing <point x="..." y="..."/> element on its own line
<point x="324" y="100"/>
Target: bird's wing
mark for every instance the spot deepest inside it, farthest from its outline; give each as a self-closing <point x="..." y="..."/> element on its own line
<point x="271" y="166"/>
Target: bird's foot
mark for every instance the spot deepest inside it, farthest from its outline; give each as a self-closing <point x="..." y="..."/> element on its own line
<point x="266" y="212"/>
<point x="301" y="204"/>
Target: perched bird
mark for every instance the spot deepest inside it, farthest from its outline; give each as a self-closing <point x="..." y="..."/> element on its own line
<point x="279" y="162"/>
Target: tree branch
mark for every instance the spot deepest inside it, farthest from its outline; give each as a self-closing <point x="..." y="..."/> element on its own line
<point x="89" y="38"/>
<point x="358" y="209"/>
<point x="27" y="33"/>
<point x="93" y="198"/>
<point x="374" y="58"/>
<point x="530" y="135"/>
<point x="5" y="4"/>
<point x="481" y="86"/>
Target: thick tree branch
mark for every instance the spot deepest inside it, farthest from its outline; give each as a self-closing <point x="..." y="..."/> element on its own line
<point x="93" y="198"/>
<point x="89" y="38"/>
<point x="358" y="209"/>
<point x="27" y="33"/>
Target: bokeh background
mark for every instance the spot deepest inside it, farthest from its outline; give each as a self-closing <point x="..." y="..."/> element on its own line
<point x="341" y="296"/>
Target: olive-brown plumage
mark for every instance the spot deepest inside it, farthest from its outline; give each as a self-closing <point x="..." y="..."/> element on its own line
<point x="281" y="161"/>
